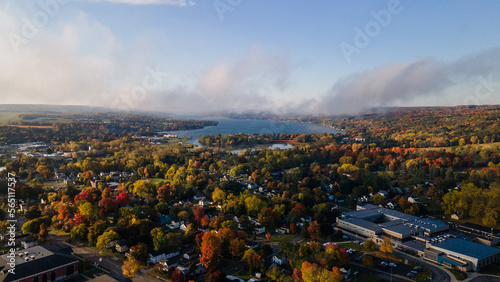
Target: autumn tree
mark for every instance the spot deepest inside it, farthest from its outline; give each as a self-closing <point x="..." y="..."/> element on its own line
<point x="314" y="230"/>
<point x="130" y="267"/>
<point x="268" y="236"/>
<point x="106" y="238"/>
<point x="253" y="260"/>
<point x="370" y="245"/>
<point x="237" y="247"/>
<point x="386" y="246"/>
<point x="210" y="250"/>
<point x="79" y="232"/>
<point x="96" y="230"/>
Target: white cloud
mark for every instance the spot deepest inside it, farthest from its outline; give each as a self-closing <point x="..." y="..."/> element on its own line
<point x="425" y="81"/>
<point x="80" y="63"/>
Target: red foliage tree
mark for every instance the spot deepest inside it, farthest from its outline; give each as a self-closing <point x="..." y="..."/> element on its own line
<point x="121" y="199"/>
<point x="198" y="214"/>
<point x="211" y="249"/>
<point x="85" y="195"/>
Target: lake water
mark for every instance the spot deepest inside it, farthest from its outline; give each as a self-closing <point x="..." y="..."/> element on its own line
<point x="233" y="126"/>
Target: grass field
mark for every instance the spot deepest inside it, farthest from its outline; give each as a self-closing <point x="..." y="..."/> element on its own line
<point x="156" y="181"/>
<point x="5" y="117"/>
<point x="458" y="274"/>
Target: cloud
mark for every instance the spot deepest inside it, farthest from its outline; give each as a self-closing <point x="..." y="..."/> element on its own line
<point x="243" y="85"/>
<point x="63" y="66"/>
<point x="180" y="3"/>
<point x="400" y="83"/>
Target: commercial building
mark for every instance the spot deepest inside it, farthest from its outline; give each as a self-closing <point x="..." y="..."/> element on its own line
<point x="38" y="264"/>
<point x="462" y="254"/>
<point x="370" y="221"/>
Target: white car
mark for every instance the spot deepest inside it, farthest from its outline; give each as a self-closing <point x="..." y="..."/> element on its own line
<point x="393" y="264"/>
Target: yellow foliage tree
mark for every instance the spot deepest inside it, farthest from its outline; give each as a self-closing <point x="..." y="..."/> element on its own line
<point x="130" y="267"/>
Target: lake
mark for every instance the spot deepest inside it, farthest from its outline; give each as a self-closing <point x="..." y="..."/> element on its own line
<point x="232" y="126"/>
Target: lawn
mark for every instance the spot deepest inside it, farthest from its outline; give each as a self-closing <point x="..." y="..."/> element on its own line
<point x="354" y="246"/>
<point x="5" y="117"/>
<point x="458" y="274"/>
<point x="156" y="181"/>
<point x="278" y="237"/>
<point x="58" y="232"/>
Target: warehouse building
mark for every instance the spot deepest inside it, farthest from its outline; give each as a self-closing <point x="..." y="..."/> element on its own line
<point x="461" y="254"/>
<point x="370" y="221"/>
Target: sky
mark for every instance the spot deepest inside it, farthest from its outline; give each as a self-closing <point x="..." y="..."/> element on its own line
<point x="280" y="56"/>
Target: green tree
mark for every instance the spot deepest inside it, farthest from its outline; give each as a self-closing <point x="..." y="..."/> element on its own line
<point x="106" y="238"/>
<point x="96" y="230"/>
<point x="79" y="232"/>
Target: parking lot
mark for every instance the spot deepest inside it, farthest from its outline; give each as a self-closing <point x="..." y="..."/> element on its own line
<point x="384" y="265"/>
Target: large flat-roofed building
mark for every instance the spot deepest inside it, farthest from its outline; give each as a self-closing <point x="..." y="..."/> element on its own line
<point x="359" y="226"/>
<point x="462" y="254"/>
<point x="37" y="264"/>
<point x="371" y="220"/>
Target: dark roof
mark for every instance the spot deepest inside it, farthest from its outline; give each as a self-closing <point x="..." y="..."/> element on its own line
<point x="467" y="248"/>
<point x="480" y="228"/>
<point x="36" y="266"/>
<point x="122" y="243"/>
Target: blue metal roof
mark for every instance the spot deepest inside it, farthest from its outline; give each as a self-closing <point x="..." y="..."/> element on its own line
<point x="468" y="248"/>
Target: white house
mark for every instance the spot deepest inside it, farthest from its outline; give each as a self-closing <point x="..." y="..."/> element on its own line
<point x="278" y="259"/>
<point x="413" y="200"/>
<point x="156" y="257"/>
<point x="259" y="229"/>
<point x="190" y="255"/>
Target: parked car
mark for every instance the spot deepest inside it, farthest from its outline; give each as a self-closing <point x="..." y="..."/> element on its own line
<point x="385" y="263"/>
<point x="393" y="264"/>
<point x="382" y="265"/>
<point x="409" y="274"/>
<point x="418" y="268"/>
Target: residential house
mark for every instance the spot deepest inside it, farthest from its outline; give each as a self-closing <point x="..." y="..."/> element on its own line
<point x="190" y="255"/>
<point x="198" y="197"/>
<point x="203" y="202"/>
<point x="259" y="229"/>
<point x="121" y="246"/>
<point x="278" y="259"/>
<point x="29" y="242"/>
<point x="283" y="230"/>
<point x="168" y="263"/>
<point x="155" y="257"/>
<point x="413" y="200"/>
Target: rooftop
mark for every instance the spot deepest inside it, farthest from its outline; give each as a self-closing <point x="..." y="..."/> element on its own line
<point x="467" y="248"/>
<point x="43" y="260"/>
<point x="363" y="223"/>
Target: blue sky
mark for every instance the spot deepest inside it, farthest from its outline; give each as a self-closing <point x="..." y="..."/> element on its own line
<point x="285" y="56"/>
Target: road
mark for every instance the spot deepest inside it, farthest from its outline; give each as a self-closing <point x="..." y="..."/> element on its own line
<point x="438" y="274"/>
<point x="114" y="266"/>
